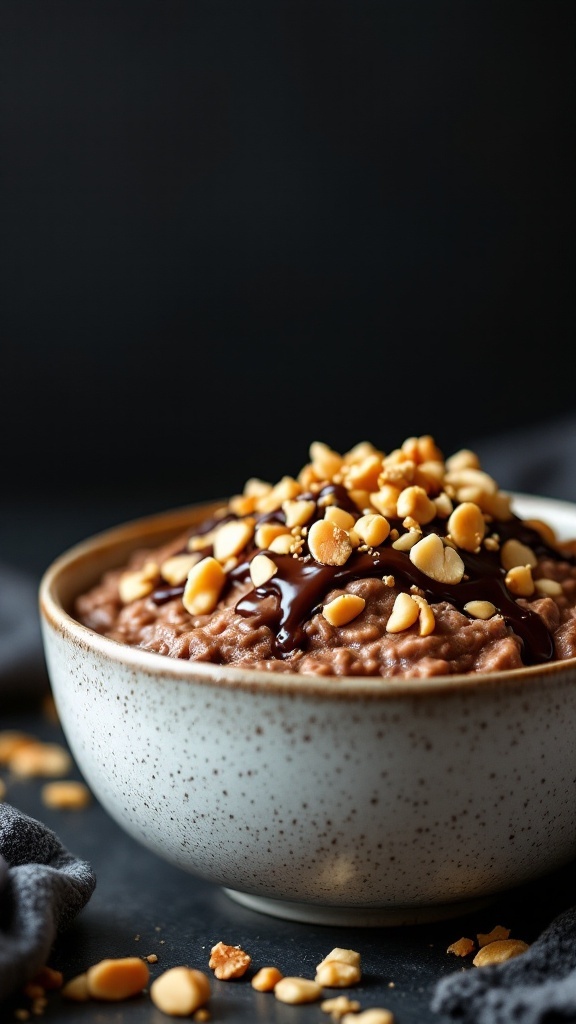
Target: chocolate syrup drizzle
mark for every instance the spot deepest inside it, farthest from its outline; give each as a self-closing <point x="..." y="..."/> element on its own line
<point x="300" y="584"/>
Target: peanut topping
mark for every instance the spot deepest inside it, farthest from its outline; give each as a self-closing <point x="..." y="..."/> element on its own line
<point x="436" y="560"/>
<point x="329" y="544"/>
<point x="497" y="933"/>
<point x="269" y="532"/>
<point x="298" y="512"/>
<point x="384" y="500"/>
<point x="297" y="990"/>
<point x="404" y="614"/>
<point x="116" y="979"/>
<point x="467" y="526"/>
<point x="513" y="553"/>
<point x="231" y="538"/>
<point x="262" y="569"/>
<point x="325" y="462"/>
<point x="282" y="545"/>
<point x="372" y="528"/>
<point x="480" y="609"/>
<point x="548" y="588"/>
<point x="341" y="518"/>
<point x="266" y="979"/>
<point x="203" y="587"/>
<point x="425" y="615"/>
<point x="343" y="609"/>
<point x="519" y="581"/>
<point x="228" y="961"/>
<point x="499" y="951"/>
<point x="133" y="586"/>
<point x="179" y="991"/>
<point x="414" y="502"/>
<point x="175" y="570"/>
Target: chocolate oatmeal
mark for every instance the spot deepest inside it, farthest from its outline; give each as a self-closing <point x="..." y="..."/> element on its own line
<point x="403" y="565"/>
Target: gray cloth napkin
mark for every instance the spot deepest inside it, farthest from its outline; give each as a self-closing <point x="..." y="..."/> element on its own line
<point x="42" y="888"/>
<point x="537" y="987"/>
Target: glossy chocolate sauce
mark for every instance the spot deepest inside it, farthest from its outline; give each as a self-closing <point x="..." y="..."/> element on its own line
<point x="301" y="584"/>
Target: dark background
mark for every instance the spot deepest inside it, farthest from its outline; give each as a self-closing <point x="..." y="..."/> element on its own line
<point x="229" y="229"/>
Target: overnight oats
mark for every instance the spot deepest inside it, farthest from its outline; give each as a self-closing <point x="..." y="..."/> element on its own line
<point x="403" y="564"/>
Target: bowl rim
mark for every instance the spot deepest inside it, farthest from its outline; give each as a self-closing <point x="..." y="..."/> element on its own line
<point x="53" y="614"/>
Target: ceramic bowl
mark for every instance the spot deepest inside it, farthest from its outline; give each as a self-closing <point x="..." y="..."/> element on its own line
<point x="346" y="801"/>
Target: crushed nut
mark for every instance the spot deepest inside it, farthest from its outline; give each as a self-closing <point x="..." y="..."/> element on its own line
<point x="414" y="502"/>
<point x="548" y="588"/>
<point x="340" y="517"/>
<point x="373" y="1016"/>
<point x="343" y="609"/>
<point x="175" y="570"/>
<point x="67" y="795"/>
<point x="298" y="512"/>
<point x="497" y="933"/>
<point x="180" y="991"/>
<point x="462" y="947"/>
<point x="297" y="990"/>
<point x="116" y="979"/>
<point x="228" y="961"/>
<point x="231" y="538"/>
<point x="203" y="587"/>
<point x="337" y="974"/>
<point x="328" y="543"/>
<point x="467" y="526"/>
<point x="262" y="569"/>
<point x="480" y="609"/>
<point x="499" y="951"/>
<point x="436" y="560"/>
<point x="36" y="760"/>
<point x="266" y="979"/>
<point x="373" y="529"/>
<point x="134" y="585"/>
<point x="404" y="614"/>
<point x="338" y="1006"/>
<point x="519" y="581"/>
<point x="427" y="621"/>
<point x="513" y="553"/>
<point x="267" y="533"/>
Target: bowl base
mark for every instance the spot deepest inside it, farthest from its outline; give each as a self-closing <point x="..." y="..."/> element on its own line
<point x="357" y="917"/>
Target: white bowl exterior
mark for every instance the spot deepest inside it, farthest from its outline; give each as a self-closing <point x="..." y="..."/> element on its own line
<point x="372" y="800"/>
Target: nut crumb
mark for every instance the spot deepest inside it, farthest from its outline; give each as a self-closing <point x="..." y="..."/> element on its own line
<point x="228" y="961"/>
<point x="462" y="947"/>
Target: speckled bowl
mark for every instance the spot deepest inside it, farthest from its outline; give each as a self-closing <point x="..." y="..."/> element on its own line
<point x="344" y="801"/>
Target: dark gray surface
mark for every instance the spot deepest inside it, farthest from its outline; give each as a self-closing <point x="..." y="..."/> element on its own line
<point x="142" y="905"/>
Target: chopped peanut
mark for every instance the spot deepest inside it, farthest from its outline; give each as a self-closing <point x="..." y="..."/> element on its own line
<point x="372" y="528"/>
<point x="499" y="951"/>
<point x="436" y="560"/>
<point x="338" y="1006"/>
<point x="175" y="570"/>
<point x="404" y="614"/>
<point x="268" y="532"/>
<point x="373" y="1016"/>
<point x="12" y="740"/>
<point x="203" y="587"/>
<point x="498" y="932"/>
<point x="413" y="501"/>
<point x="340" y="517"/>
<point x="328" y="543"/>
<point x="36" y="760"/>
<point x="513" y="553"/>
<point x="228" y="961"/>
<point x="262" y="569"/>
<point x="133" y="586"/>
<point x="548" y="588"/>
<point x="467" y="526"/>
<point x="68" y="795"/>
<point x="462" y="947"/>
<point x="116" y="979"/>
<point x="337" y="974"/>
<point x="343" y="609"/>
<point x="180" y="991"/>
<point x="480" y="609"/>
<point x="297" y="990"/>
<point x="231" y="538"/>
<point x="519" y="581"/>
<point x="266" y="979"/>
